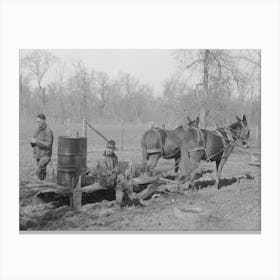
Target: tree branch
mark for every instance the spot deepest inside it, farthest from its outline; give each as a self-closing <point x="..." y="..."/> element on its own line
<point x="193" y="63"/>
<point x="219" y="65"/>
<point x="249" y="60"/>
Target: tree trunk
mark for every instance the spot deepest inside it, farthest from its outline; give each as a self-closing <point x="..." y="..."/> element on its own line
<point x="250" y="105"/>
<point x="204" y="111"/>
<point x="85" y="105"/>
<point x="44" y="99"/>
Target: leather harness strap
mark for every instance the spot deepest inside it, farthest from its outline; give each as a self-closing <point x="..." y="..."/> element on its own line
<point x="228" y="138"/>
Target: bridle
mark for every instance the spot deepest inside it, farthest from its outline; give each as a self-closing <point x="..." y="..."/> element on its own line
<point x="231" y="138"/>
<point x="240" y="135"/>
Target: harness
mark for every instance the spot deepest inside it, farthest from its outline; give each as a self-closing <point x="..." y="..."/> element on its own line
<point x="158" y="150"/>
<point x="161" y="150"/>
<point x="228" y="138"/>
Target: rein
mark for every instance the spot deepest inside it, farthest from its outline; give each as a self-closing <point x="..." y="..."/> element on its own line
<point x="230" y="137"/>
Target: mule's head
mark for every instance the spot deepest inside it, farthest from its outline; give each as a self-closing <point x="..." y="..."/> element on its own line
<point x="193" y="123"/>
<point x="241" y="131"/>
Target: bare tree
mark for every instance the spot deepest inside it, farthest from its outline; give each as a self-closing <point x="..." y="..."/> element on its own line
<point x="81" y="83"/>
<point x="211" y="67"/>
<point x="101" y="80"/>
<point x="38" y="63"/>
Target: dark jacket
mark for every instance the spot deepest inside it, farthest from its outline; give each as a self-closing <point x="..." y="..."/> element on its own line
<point x="107" y="170"/>
<point x="108" y="164"/>
<point x="44" y="142"/>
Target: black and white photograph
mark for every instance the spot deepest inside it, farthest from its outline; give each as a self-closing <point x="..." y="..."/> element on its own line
<point x="140" y="140"/>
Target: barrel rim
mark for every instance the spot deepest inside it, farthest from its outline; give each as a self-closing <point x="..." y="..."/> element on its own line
<point x="70" y="154"/>
<point x="70" y="137"/>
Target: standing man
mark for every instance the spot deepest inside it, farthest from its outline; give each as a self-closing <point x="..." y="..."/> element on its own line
<point x="42" y="144"/>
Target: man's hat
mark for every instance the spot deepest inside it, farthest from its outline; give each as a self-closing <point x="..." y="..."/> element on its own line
<point x="41" y="116"/>
<point x="111" y="144"/>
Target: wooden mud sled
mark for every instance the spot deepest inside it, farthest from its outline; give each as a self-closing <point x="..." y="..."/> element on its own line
<point x="75" y="192"/>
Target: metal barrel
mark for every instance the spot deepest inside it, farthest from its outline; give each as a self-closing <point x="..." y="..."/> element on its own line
<point x="71" y="159"/>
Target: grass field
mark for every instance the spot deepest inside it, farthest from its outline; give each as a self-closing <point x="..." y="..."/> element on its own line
<point x="235" y="207"/>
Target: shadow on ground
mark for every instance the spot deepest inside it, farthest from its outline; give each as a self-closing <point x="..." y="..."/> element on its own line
<point x="223" y="182"/>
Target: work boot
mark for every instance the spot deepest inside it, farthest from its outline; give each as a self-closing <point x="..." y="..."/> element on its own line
<point x="42" y="175"/>
<point x="137" y="202"/>
<point x="119" y="198"/>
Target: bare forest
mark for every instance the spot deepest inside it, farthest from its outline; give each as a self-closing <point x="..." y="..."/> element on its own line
<point x="214" y="84"/>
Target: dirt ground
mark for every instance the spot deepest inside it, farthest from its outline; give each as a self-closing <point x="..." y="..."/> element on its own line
<point x="235" y="207"/>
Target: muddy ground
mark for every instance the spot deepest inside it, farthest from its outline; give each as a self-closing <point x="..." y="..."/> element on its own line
<point x="235" y="207"/>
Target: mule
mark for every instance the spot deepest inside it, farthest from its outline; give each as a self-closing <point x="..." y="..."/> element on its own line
<point x="158" y="142"/>
<point x="212" y="146"/>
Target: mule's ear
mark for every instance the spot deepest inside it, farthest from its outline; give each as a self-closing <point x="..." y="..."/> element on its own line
<point x="244" y="119"/>
<point x="238" y="119"/>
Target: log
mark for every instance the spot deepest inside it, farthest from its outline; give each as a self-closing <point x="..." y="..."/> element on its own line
<point x="93" y="187"/>
<point x="143" y="180"/>
<point x="169" y="181"/>
<point x="148" y="191"/>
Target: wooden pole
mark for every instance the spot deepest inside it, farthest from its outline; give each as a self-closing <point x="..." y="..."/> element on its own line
<point x="122" y="135"/>
<point x="71" y="195"/>
<point x="85" y="128"/>
<point x="96" y="131"/>
<point x="77" y="196"/>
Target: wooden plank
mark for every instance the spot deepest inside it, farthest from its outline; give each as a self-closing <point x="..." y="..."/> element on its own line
<point x="143" y="180"/>
<point x="168" y="181"/>
<point x="43" y="184"/>
<point x="46" y="188"/>
<point x="57" y="191"/>
<point x="93" y="187"/>
<point x="77" y="196"/>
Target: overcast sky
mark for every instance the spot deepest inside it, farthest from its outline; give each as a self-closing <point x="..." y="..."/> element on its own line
<point x="149" y="66"/>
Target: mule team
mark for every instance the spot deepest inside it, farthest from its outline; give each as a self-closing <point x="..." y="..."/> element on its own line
<point x="187" y="145"/>
<point x="191" y="145"/>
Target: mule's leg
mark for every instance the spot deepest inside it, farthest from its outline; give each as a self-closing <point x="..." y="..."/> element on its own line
<point x="219" y="166"/>
<point x="195" y="161"/>
<point x="144" y="159"/>
<point x="185" y="160"/>
<point x="190" y="172"/>
<point x="194" y="171"/>
<point x="153" y="160"/>
<point x="177" y="164"/>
